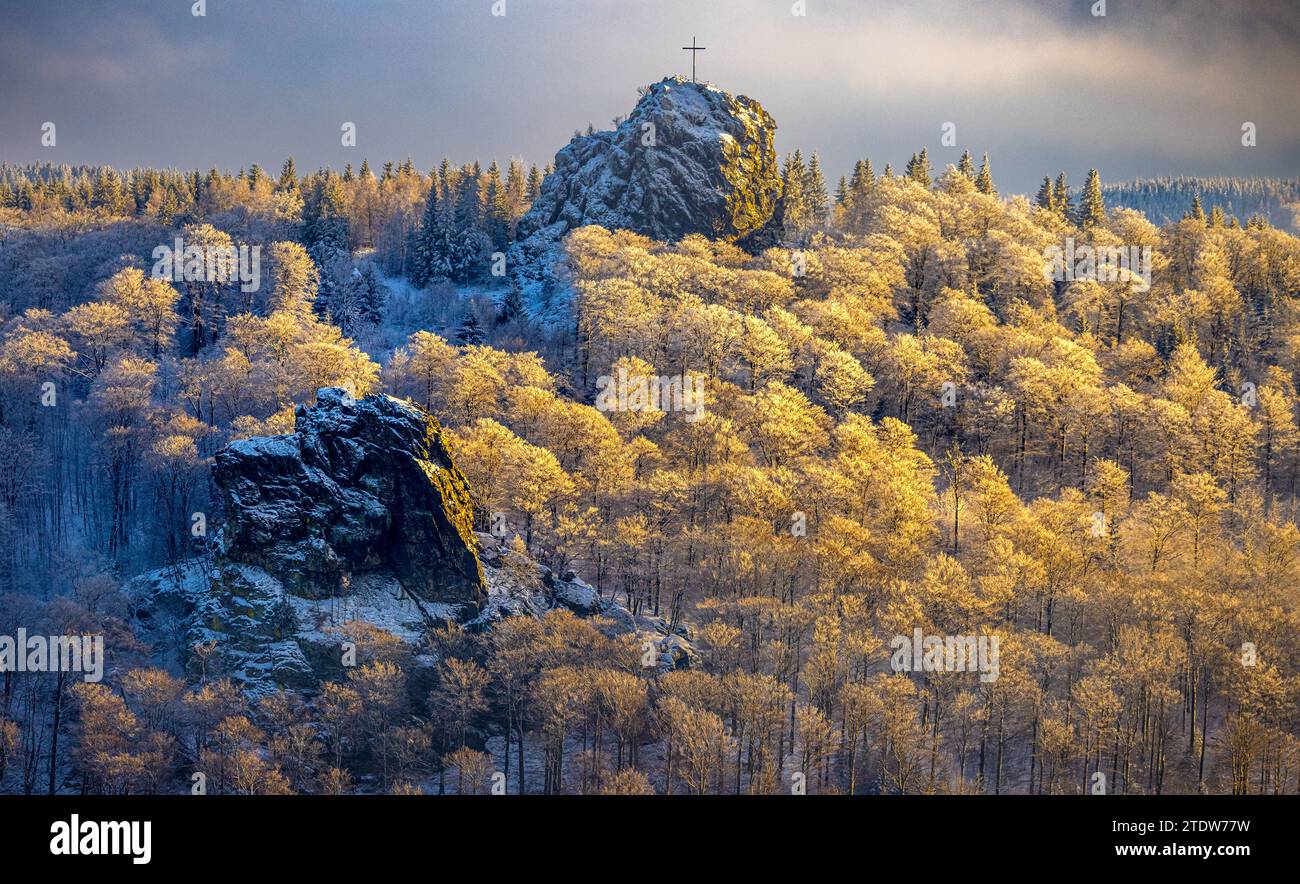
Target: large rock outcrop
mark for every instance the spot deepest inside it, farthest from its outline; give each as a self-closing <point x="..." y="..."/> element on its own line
<point x="690" y="158"/>
<point x="357" y="520"/>
<point x="360" y="486"/>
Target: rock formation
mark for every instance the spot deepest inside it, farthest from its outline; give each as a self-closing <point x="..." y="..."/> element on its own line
<point x="690" y="158"/>
<point x="359" y="486"/>
<point x="358" y="516"/>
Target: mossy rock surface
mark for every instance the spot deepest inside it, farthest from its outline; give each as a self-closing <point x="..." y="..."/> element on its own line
<point x="359" y="486"/>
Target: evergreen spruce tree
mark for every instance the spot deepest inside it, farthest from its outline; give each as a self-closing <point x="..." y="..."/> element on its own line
<point x="855" y="180"/>
<point x="1061" y="197"/>
<point x="815" y="193"/>
<point x="918" y="169"/>
<point x="371" y="296"/>
<point x="512" y="304"/>
<point x="470" y="333"/>
<point x="496" y="214"/>
<point x="325" y="224"/>
<point x="843" y="196"/>
<point x="288" y="176"/>
<point x="468" y="244"/>
<point x="1092" y="208"/>
<point x="1046" y="196"/>
<point x="1196" y="212"/>
<point x="860" y="184"/>
<point x="108" y="193"/>
<point x="1217" y="218"/>
<point x="984" y="182"/>
<point x="966" y="165"/>
<point x="428" y="253"/>
<point x="446" y="182"/>
<point x="141" y="187"/>
<point x="794" y="202"/>
<point x="171" y="204"/>
<point x="516" y="193"/>
<point x="534" y="184"/>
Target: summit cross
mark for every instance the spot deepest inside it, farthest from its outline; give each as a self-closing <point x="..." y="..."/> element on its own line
<point x="693" y="48"/>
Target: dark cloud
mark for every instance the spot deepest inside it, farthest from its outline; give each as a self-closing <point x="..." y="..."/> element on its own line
<point x="1156" y="86"/>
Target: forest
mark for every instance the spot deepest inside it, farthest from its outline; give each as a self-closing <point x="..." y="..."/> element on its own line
<point x="906" y="425"/>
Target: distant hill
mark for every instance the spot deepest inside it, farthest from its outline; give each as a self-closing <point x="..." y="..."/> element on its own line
<point x="1166" y="199"/>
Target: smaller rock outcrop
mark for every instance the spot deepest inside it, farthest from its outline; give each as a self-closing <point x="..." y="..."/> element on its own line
<point x="360" y="486"/>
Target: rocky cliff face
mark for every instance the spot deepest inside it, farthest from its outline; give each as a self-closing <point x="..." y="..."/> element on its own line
<point x="690" y="158"/>
<point x="359" y="486"/>
<point x="358" y="516"/>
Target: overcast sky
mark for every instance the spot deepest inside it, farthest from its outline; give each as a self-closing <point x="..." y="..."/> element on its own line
<point x="1154" y="87"/>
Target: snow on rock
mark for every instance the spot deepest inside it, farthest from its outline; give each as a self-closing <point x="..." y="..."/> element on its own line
<point x="359" y="486"/>
<point x="690" y="158"/>
<point x="264" y="637"/>
<point x="357" y="516"/>
<point x="548" y="592"/>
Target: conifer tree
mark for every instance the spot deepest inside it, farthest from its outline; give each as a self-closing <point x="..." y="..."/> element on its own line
<point x="984" y="183"/>
<point x="468" y="244"/>
<point x="918" y="168"/>
<point x="534" y="184"/>
<point x="815" y="193"/>
<point x="109" y="194"/>
<point x="924" y="173"/>
<point x="371" y="296"/>
<point x="843" y="196"/>
<point x="860" y="184"/>
<point x="428" y="249"/>
<point x="855" y="187"/>
<point x="496" y="214"/>
<point x="288" y="176"/>
<point x="470" y="333"/>
<point x="794" y="202"/>
<point x="512" y="305"/>
<point x="1061" y="197"/>
<point x="325" y="223"/>
<point x="1196" y="212"/>
<point x="966" y="165"/>
<point x="1046" y="196"/>
<point x="516" y="191"/>
<point x="1092" y="208"/>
